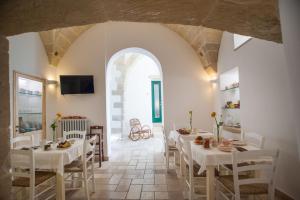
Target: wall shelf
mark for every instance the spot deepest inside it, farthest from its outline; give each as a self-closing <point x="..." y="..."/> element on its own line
<point x="229" y="98"/>
<point x="230" y="108"/>
<point x="230" y="89"/>
<point x="29" y="113"/>
<point x="28" y="94"/>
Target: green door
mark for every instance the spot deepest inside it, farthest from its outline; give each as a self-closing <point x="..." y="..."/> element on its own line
<point x="156" y="102"/>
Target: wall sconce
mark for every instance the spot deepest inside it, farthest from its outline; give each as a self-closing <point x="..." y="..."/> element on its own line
<point x="52" y="82"/>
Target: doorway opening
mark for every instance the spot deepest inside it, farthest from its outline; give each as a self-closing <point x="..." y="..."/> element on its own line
<point x="133" y="90"/>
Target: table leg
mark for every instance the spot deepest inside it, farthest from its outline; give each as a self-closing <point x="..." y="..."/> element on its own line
<point x="210" y="182"/>
<point x="60" y="187"/>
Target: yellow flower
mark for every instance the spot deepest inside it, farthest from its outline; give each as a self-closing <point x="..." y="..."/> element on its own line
<point x="58" y="115"/>
<point x="213" y="114"/>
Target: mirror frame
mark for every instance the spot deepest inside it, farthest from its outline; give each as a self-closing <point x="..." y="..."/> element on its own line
<point x="16" y="75"/>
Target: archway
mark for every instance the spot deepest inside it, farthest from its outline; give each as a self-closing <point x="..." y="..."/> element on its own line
<point x="131" y="75"/>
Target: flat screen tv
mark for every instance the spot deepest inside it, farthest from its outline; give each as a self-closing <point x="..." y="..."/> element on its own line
<point x="76" y="84"/>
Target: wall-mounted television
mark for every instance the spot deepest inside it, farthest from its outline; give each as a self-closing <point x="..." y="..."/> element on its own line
<point x="76" y="84"/>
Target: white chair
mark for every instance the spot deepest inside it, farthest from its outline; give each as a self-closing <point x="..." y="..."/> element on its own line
<point x="168" y="149"/>
<point x="253" y="139"/>
<point x="188" y="163"/>
<point x="238" y="185"/>
<point x="25" y="140"/>
<point x="24" y="173"/>
<point x="85" y="167"/>
<point x="67" y="135"/>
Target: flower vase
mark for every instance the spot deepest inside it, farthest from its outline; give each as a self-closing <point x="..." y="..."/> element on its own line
<point x="53" y="135"/>
<point x="218" y="134"/>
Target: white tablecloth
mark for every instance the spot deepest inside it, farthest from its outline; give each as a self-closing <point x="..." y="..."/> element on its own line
<point x="174" y="135"/>
<point x="56" y="159"/>
<point x="212" y="156"/>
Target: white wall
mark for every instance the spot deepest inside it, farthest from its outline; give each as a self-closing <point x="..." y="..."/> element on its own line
<point x="185" y="81"/>
<point x="27" y="55"/>
<point x="290" y="26"/>
<point x="266" y="101"/>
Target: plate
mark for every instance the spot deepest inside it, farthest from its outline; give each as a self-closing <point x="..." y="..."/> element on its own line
<point x="239" y="143"/>
<point x="225" y="148"/>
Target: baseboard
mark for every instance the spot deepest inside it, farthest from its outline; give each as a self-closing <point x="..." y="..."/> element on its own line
<point x="282" y="196"/>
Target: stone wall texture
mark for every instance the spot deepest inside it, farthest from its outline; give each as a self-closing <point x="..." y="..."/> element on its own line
<point x="257" y="18"/>
<point x="5" y="183"/>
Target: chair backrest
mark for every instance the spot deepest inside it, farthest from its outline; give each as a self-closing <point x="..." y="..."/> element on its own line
<point x="26" y="140"/>
<point x="67" y="135"/>
<point x="263" y="163"/>
<point x="185" y="149"/>
<point x="23" y="164"/>
<point x="135" y="123"/>
<point x="254" y="139"/>
<point x="89" y="150"/>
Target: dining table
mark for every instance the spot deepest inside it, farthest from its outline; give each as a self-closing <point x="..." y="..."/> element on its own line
<point x="209" y="159"/>
<point x="55" y="159"/>
<point x="174" y="136"/>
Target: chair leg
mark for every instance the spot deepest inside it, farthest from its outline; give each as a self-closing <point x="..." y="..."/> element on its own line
<point x="93" y="176"/>
<point x="32" y="190"/>
<point x="86" y="185"/>
<point x="191" y="191"/>
<point x="167" y="159"/>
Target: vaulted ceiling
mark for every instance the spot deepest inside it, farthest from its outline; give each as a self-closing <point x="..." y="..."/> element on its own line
<point x="205" y="42"/>
<point x="58" y="41"/>
<point x="256" y="18"/>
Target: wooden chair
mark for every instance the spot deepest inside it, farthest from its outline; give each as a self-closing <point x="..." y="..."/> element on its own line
<point x="138" y="131"/>
<point x="253" y="139"/>
<point x="24" y="173"/>
<point x="238" y="185"/>
<point x="85" y="167"/>
<point x="22" y="140"/>
<point x="190" y="167"/>
<point x="98" y="131"/>
<point x="168" y="149"/>
<point x="67" y="135"/>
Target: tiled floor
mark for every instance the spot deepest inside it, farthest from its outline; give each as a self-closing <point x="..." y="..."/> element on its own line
<point x="136" y="170"/>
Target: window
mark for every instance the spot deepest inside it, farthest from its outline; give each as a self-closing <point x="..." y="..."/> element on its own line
<point x="239" y="40"/>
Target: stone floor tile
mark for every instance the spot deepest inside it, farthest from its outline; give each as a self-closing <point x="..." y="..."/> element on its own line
<point x="155" y="188"/>
<point x="176" y="195"/>
<point x="147" y="195"/>
<point x="115" y="179"/>
<point x="117" y="195"/>
<point x="134" y="192"/>
<point x="161" y="195"/>
<point x="100" y="187"/>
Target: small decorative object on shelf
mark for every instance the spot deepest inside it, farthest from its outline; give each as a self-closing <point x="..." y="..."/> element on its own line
<point x="232" y="86"/>
<point x="191" y="119"/>
<point x="53" y="126"/>
<point x="230" y="105"/>
<point x="218" y="124"/>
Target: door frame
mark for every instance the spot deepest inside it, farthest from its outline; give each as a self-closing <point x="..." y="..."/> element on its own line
<point x="16" y="75"/>
<point x="158" y="120"/>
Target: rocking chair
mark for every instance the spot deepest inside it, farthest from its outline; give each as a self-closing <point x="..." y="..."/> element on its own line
<point x="137" y="131"/>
